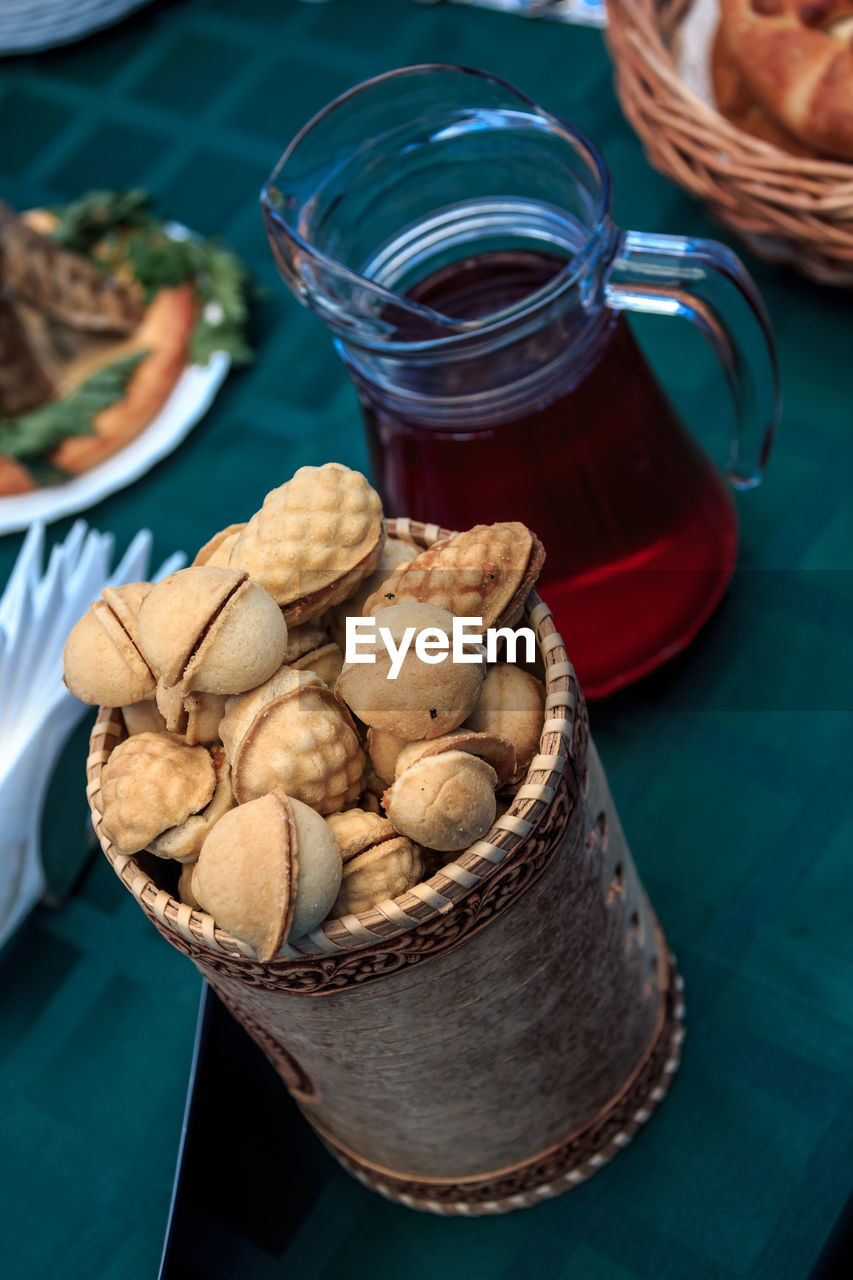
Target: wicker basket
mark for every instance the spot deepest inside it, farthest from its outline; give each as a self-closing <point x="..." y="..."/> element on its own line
<point x="787" y="209"/>
<point x="491" y="1037"/>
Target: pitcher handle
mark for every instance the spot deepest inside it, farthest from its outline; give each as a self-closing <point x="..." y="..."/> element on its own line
<point x="707" y="284"/>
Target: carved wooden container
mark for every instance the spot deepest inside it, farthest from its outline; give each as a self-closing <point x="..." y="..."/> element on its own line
<point x="496" y="1034"/>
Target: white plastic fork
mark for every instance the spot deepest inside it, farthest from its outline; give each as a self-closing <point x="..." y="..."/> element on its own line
<point x="37" y="713"/>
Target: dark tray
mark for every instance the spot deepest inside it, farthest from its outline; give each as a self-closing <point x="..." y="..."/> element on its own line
<point x="250" y="1168"/>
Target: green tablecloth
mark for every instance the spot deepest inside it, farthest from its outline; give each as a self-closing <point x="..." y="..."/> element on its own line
<point x="731" y="768"/>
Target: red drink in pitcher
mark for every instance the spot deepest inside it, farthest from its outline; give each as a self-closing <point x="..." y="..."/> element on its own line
<point x="639" y="528"/>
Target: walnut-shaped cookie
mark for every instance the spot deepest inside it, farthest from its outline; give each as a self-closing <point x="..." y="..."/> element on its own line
<point x="443" y="796"/>
<point x="151" y="782"/>
<point x="293" y="735"/>
<point x="210" y="630"/>
<point x="486" y="572"/>
<point x="497" y="751"/>
<point x="103" y="662"/>
<point x="310" y="648"/>
<point x="194" y="717"/>
<point x="378" y="862"/>
<point x="217" y="550"/>
<point x="444" y="802"/>
<point x="269" y="870"/>
<point x="395" y="553"/>
<point x="304" y="639"/>
<point x="143" y="717"/>
<point x="325" y="661"/>
<point x="422" y="699"/>
<point x="512" y="705"/>
<point x="383" y="750"/>
<point x="185" y="886"/>
<point x="183" y="843"/>
<point x="313" y="540"/>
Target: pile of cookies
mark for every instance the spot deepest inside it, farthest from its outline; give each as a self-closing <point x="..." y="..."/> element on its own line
<point x="289" y="785"/>
<point x="783" y="71"/>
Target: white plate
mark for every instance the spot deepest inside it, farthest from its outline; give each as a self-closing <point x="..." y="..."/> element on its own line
<point x="189" y="401"/>
<point x="28" y="25"/>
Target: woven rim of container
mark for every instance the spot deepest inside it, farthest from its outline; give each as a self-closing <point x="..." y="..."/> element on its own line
<point x="788" y="208"/>
<point x="426" y="901"/>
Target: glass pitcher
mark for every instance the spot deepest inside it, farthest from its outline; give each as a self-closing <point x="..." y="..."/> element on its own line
<point x="456" y="239"/>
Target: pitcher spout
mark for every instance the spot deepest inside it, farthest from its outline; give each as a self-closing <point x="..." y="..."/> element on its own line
<point x="357" y="309"/>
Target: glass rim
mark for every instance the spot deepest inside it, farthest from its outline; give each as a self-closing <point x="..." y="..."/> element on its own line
<point x="584" y="147"/>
